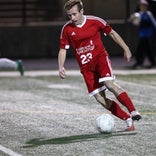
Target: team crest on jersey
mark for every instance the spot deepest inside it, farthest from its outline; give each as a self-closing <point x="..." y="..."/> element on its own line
<point x="86" y="49"/>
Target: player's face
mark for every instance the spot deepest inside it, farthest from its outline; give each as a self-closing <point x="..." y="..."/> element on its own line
<point x="143" y="7"/>
<point x="75" y="15"/>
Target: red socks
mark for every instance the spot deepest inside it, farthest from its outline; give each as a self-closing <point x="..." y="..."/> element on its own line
<point x="118" y="112"/>
<point x="126" y="101"/>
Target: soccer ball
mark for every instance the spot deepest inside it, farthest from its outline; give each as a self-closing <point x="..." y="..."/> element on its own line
<point x="105" y="123"/>
<point x="135" y="18"/>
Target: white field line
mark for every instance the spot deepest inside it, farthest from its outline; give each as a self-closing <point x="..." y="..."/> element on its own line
<point x="72" y="72"/>
<point x="135" y="84"/>
<point x="8" y="151"/>
<point x="64" y="112"/>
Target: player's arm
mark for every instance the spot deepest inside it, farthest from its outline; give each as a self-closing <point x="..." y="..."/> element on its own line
<point x="61" y="61"/>
<point x="117" y="38"/>
<point x="152" y="19"/>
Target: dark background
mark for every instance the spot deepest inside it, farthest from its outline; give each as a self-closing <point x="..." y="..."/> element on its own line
<point x="31" y="28"/>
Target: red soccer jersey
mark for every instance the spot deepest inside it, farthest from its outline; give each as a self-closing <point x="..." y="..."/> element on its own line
<point x="85" y="39"/>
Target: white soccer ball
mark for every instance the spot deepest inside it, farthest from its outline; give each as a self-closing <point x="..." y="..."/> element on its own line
<point x="105" y="123"/>
<point x="135" y="18"/>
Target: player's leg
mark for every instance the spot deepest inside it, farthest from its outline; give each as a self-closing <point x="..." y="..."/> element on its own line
<point x="107" y="78"/>
<point x="140" y="54"/>
<point x="149" y="49"/>
<point x="96" y="89"/>
<point x="20" y="67"/>
<point x="6" y="63"/>
<point x="123" y="98"/>
<point x="115" y="109"/>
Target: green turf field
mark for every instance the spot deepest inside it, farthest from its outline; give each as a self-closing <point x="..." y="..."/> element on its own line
<point x="47" y="116"/>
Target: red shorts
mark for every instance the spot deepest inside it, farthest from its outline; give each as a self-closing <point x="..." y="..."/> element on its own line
<point x="98" y="71"/>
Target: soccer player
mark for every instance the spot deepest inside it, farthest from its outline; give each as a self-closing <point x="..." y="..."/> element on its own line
<point x="83" y="33"/>
<point x="6" y="63"/>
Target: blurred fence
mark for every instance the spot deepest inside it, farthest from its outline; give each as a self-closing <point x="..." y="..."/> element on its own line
<point x="31" y="28"/>
<point x="25" y="11"/>
<point x="43" y="41"/>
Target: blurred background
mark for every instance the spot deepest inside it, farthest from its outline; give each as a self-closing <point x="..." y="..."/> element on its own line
<point x="31" y="28"/>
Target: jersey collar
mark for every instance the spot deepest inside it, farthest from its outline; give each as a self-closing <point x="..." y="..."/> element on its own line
<point x="84" y="21"/>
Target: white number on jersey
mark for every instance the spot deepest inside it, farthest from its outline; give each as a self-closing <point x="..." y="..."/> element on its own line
<point x="85" y="58"/>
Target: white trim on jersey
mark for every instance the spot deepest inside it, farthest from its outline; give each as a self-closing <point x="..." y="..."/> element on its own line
<point x="67" y="46"/>
<point x="109" y="76"/>
<point x="81" y="25"/>
<point x="86" y="17"/>
<point x="64" y="27"/>
<point x="97" y="18"/>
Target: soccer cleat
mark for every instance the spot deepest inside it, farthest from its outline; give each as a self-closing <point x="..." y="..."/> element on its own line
<point x="135" y="115"/>
<point x="20" y="67"/>
<point x="130" y="125"/>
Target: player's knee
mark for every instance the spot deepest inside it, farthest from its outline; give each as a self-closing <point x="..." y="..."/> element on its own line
<point x="98" y="97"/>
<point x="110" y="85"/>
<point x="114" y="88"/>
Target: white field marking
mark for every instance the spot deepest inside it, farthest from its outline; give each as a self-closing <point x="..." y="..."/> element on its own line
<point x="63" y="112"/>
<point x="73" y="72"/>
<point x="134" y="72"/>
<point x="8" y="151"/>
<point x="39" y="73"/>
<point x="62" y="86"/>
<point x="136" y="84"/>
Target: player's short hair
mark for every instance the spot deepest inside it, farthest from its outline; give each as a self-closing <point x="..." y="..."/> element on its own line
<point x="70" y="3"/>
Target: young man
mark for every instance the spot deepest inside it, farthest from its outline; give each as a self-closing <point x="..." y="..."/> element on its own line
<point x="83" y="33"/>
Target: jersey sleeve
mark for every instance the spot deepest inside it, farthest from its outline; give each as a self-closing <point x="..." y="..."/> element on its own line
<point x="64" y="41"/>
<point x="107" y="29"/>
<point x="153" y="21"/>
<point x="104" y="26"/>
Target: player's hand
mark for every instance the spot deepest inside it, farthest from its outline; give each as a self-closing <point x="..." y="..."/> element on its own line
<point x="62" y="73"/>
<point x="127" y="55"/>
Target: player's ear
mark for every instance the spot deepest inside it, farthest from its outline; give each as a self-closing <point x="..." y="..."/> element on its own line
<point x="82" y="11"/>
